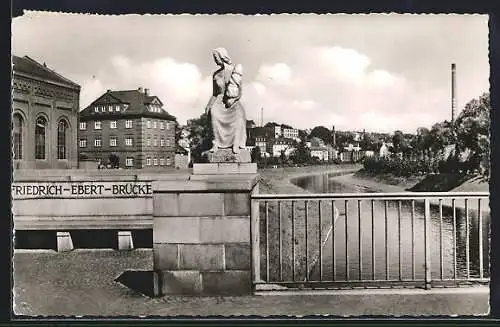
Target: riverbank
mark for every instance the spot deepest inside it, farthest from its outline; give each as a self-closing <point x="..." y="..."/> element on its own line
<point x="279" y="180"/>
<point x="388" y="184"/>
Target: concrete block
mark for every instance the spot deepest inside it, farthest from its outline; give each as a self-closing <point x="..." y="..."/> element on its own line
<point x="227" y="283"/>
<point x="227" y="155"/>
<point x="64" y="242"/>
<point x="165" y="256"/>
<point x="201" y="257"/>
<point x="176" y="230"/>
<point x="165" y="204"/>
<point x="200" y="204"/>
<point x="224" y="229"/>
<point x="180" y="282"/>
<point x="238" y="256"/>
<point x="236" y="204"/>
<point x="125" y="240"/>
<point x="224" y="168"/>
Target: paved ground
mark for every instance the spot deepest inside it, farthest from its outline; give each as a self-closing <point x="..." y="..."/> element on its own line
<point x="82" y="283"/>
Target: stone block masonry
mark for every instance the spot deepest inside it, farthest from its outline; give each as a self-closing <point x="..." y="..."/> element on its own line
<point x="201" y="235"/>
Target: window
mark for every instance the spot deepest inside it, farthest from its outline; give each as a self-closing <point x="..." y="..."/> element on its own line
<point x="148" y="123"/>
<point x="155" y="161"/>
<point x="18" y="136"/>
<point x="117" y="107"/>
<point x="98" y="142"/>
<point x="129" y="162"/>
<point x="154" y="124"/>
<point x="162" y="142"/>
<point x="148" y="161"/>
<point x="103" y="108"/>
<point x="96" y="109"/>
<point x="162" y="161"/>
<point x="40" y="135"/>
<point x="162" y="125"/>
<point x="128" y="124"/>
<point x="110" y="108"/>
<point x="83" y="126"/>
<point x="83" y="143"/>
<point x="112" y="124"/>
<point x="62" y="129"/>
<point x="168" y="142"/>
<point x="112" y="141"/>
<point x="155" y="142"/>
<point x="148" y="141"/>
<point x="168" y="125"/>
<point x="168" y="162"/>
<point x="128" y="141"/>
<point x="97" y="125"/>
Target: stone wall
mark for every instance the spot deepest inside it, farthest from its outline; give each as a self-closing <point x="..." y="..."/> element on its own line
<point x="201" y="234"/>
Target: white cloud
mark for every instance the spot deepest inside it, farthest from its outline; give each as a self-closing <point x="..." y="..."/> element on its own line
<point x="279" y="73"/>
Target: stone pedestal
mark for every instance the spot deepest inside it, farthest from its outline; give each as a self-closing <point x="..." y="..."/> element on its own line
<point x="201" y="234"/>
<point x="227" y="155"/>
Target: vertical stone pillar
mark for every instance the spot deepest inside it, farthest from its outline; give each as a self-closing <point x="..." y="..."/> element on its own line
<point x="201" y="234"/>
<point x="64" y="242"/>
<point x="125" y="241"/>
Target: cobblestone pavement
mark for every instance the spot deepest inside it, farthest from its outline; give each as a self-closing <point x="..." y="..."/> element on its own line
<point x="82" y="283"/>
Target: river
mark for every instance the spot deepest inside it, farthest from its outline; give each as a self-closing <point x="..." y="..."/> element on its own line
<point x="405" y="253"/>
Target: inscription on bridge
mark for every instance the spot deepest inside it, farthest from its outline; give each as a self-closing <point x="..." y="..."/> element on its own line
<point x="33" y="190"/>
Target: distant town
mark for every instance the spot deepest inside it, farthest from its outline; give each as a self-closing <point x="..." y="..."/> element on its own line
<point x="130" y="129"/>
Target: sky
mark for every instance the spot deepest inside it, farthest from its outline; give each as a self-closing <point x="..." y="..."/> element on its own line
<point x="378" y="72"/>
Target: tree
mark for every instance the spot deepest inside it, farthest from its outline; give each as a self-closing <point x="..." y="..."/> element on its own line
<point x="323" y="133"/>
<point x="472" y="130"/>
<point x="441" y="135"/>
<point x="200" y="136"/>
<point x="302" y="154"/>
<point x="398" y="141"/>
<point x="368" y="142"/>
<point x="256" y="155"/>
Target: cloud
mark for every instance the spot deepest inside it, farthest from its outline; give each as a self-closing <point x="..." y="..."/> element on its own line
<point x="279" y="73"/>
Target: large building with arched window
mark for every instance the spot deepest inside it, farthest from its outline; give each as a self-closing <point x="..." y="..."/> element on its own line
<point x="45" y="117"/>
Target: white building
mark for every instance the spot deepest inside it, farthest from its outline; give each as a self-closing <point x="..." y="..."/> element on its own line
<point x="281" y="145"/>
<point x="384" y="149"/>
<point x="320" y="152"/>
<point x="291" y="133"/>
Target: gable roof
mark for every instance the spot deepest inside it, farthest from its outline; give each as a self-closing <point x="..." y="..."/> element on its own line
<point x="31" y="67"/>
<point x="136" y="100"/>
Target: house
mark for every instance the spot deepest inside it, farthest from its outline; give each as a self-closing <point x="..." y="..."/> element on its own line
<point x="127" y="129"/>
<point x="384" y="150"/>
<point x="320" y="152"/>
<point x="277" y="146"/>
<point x="45" y="117"/>
<point x="291" y="133"/>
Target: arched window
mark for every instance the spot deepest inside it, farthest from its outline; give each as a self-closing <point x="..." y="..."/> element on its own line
<point x="40" y="138"/>
<point x="18" y="136"/>
<point x="62" y="129"/>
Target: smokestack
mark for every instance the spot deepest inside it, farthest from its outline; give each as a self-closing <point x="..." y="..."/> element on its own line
<point x="333" y="136"/>
<point x="261" y="117"/>
<point x="453" y="92"/>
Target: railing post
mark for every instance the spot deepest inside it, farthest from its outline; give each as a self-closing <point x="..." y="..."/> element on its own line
<point x="255" y="231"/>
<point x="427" y="242"/>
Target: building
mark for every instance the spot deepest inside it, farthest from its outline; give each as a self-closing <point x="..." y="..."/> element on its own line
<point x="320" y="152"/>
<point x="45" y="116"/>
<point x="127" y="129"/>
<point x="384" y="150"/>
<point x="280" y="145"/>
<point x="291" y="133"/>
<point x="182" y="157"/>
<point x="261" y="142"/>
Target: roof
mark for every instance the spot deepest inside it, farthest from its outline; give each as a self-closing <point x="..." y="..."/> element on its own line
<point x="31" y="67"/>
<point x="137" y="104"/>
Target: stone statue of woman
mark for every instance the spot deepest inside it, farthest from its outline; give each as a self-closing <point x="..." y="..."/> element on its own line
<point x="227" y="114"/>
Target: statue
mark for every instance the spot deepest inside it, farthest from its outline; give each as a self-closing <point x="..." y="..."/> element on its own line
<point x="226" y="111"/>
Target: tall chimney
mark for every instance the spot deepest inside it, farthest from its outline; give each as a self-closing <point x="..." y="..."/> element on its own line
<point x="453" y="92"/>
<point x="333" y="136"/>
<point x="261" y="117"/>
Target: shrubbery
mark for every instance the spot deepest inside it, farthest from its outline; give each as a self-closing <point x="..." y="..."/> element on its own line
<point x="406" y="167"/>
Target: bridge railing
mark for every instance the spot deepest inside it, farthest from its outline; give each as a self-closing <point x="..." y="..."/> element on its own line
<point x="369" y="240"/>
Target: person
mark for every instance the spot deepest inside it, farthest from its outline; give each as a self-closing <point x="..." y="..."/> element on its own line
<point x="227" y="113"/>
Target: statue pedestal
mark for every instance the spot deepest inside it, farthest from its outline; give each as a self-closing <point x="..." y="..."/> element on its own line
<point x="224" y="161"/>
<point x="227" y="155"/>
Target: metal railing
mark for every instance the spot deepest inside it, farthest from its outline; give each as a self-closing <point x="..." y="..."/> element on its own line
<point x="370" y="239"/>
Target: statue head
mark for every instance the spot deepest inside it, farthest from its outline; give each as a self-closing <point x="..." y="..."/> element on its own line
<point x="221" y="57"/>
